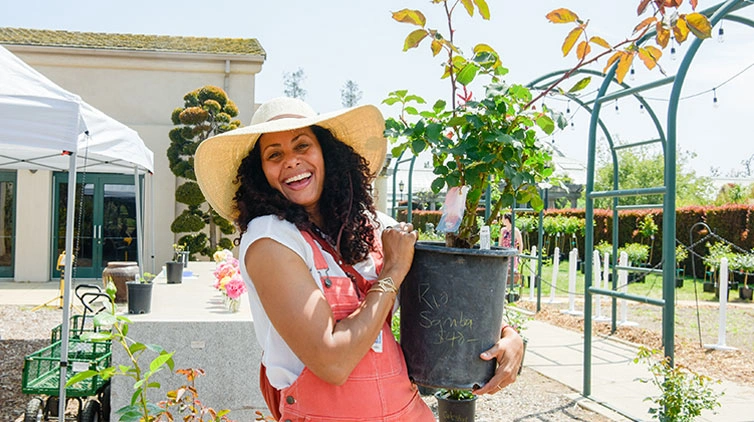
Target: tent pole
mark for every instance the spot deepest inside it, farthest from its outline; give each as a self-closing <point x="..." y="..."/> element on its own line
<point x="70" y="211"/>
<point x="151" y="217"/>
<point x="139" y="223"/>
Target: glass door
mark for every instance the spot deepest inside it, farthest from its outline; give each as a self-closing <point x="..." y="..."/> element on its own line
<point x="106" y="229"/>
<point x="7" y="221"/>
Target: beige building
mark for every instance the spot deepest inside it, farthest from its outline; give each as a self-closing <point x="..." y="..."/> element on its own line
<point x="138" y="80"/>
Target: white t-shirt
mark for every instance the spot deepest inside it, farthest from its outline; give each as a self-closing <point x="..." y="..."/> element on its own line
<point x="283" y="366"/>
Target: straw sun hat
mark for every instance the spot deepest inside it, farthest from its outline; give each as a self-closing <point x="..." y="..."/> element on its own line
<point x="217" y="159"/>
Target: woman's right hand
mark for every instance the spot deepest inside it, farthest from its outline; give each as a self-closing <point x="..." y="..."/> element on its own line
<point x="398" y="249"/>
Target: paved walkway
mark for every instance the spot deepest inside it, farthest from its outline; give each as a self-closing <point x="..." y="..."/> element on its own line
<point x="554" y="352"/>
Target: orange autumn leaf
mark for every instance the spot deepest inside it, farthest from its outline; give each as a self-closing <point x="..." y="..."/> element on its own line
<point x="571" y="39"/>
<point x="680" y="31"/>
<point x="583" y="50"/>
<point x="624" y="65"/>
<point x="650" y="55"/>
<point x="562" y="15"/>
<point x="663" y="35"/>
<point x="599" y="41"/>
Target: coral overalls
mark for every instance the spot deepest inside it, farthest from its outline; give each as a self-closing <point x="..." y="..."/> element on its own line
<point x="378" y="389"/>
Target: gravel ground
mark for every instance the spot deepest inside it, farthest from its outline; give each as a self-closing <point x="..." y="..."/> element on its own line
<point x="533" y="397"/>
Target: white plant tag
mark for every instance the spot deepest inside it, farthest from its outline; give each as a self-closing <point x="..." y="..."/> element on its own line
<point x="484" y="237"/>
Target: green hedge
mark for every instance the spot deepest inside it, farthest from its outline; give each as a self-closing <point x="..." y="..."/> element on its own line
<point x="731" y="222"/>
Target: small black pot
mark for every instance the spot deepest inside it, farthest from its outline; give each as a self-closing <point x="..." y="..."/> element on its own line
<point x="745" y="293"/>
<point x="139" y="297"/>
<point x="450" y="410"/>
<point x="678" y="283"/>
<point x="174" y="271"/>
<point x="708" y="287"/>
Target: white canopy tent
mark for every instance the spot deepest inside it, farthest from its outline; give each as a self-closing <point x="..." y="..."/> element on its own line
<point x="43" y="126"/>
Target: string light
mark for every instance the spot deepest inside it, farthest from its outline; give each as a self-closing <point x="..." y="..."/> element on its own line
<point x="568" y="107"/>
<point x="715" y="103"/>
<point x="641" y="108"/>
<point x="617" y="110"/>
<point x="632" y="74"/>
<point x="573" y="127"/>
<point x="720" y="33"/>
<point x="672" y="49"/>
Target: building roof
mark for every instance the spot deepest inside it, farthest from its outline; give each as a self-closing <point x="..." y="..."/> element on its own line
<point x="131" y="42"/>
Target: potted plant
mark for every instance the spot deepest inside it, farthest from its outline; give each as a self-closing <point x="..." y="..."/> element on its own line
<point x="716" y="252"/>
<point x="140" y="294"/>
<point x="455" y="293"/>
<point x="745" y="263"/>
<point x="455" y="405"/>
<point x="684" y="393"/>
<point x="637" y="256"/>
<point x="174" y="268"/>
<point x="680" y="255"/>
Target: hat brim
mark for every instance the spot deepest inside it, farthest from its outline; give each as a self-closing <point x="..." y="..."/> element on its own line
<point x="217" y="158"/>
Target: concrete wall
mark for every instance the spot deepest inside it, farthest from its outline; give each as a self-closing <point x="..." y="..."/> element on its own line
<point x="140" y="90"/>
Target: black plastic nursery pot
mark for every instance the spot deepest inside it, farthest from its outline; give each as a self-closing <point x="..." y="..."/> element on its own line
<point x="453" y="410"/>
<point x="174" y="272"/>
<point x="139" y="297"/>
<point x="451" y="311"/>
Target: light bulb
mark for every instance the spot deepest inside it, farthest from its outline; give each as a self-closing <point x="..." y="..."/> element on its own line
<point x="715" y="103"/>
<point x="568" y="107"/>
<point x="672" y="53"/>
<point x="617" y="110"/>
<point x="720" y="33"/>
<point x="641" y="108"/>
<point x="573" y="127"/>
<point x="632" y="74"/>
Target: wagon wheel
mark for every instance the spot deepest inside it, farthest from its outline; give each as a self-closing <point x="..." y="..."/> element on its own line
<point x="34" y="411"/>
<point x="104" y="399"/>
<point x="90" y="412"/>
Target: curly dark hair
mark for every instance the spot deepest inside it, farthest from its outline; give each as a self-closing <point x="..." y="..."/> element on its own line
<point x="346" y="203"/>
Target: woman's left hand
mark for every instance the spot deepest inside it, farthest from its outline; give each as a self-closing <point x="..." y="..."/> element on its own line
<point x="509" y="352"/>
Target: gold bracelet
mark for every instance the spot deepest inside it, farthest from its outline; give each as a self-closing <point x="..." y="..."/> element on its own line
<point x="384" y="285"/>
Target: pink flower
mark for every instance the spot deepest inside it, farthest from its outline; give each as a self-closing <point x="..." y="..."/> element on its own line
<point x="226" y="269"/>
<point x="235" y="287"/>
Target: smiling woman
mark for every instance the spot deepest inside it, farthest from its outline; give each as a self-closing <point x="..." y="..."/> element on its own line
<point x="322" y="271"/>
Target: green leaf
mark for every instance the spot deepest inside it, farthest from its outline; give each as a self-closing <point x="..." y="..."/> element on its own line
<point x="467" y="73"/>
<point x="438" y="184"/>
<point x="81" y="376"/>
<point x="98" y="336"/>
<point x="136" y="347"/>
<point x="546" y="124"/>
<point x="414" y="39"/>
<point x="104" y="320"/>
<point x="578" y="86"/>
<point x="417" y="146"/>
<point x="411" y="111"/>
<point x="159" y="361"/>
<point x="434" y="132"/>
<point x="413" y="17"/>
<point x="154" y="347"/>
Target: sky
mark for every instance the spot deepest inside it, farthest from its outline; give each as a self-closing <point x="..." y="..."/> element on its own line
<point x="334" y="41"/>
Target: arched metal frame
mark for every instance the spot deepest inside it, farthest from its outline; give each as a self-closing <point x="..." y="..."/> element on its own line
<point x="715" y="14"/>
<point x="668" y="142"/>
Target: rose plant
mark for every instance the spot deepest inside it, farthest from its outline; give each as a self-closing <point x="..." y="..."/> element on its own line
<point x="492" y="140"/>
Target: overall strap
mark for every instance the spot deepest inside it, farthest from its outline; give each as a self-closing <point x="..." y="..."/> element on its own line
<point x="362" y="285"/>
<point x="319" y="259"/>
